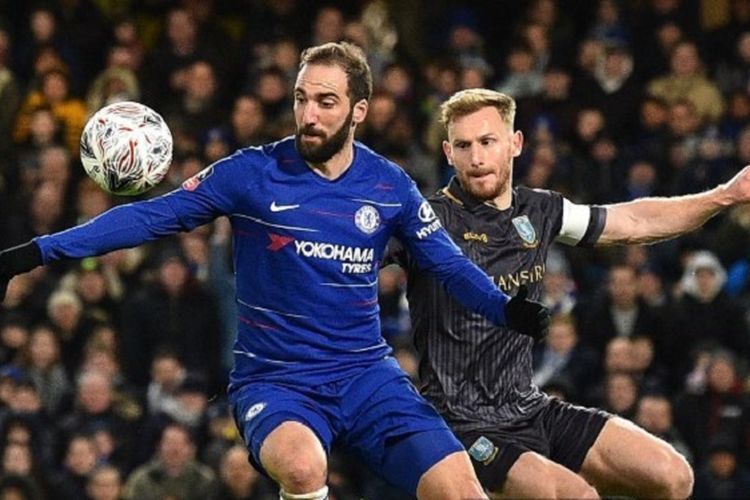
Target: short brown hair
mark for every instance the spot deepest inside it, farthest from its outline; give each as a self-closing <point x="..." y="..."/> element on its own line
<point x="348" y="57"/>
<point x="469" y="101"/>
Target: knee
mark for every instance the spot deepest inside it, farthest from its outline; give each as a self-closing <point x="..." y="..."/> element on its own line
<point x="294" y="457"/>
<point x="301" y="473"/>
<point x="681" y="481"/>
<point x="675" y="476"/>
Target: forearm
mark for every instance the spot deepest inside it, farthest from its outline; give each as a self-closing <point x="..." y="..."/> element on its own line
<point x="125" y="226"/>
<point x="650" y="220"/>
<point x="474" y="290"/>
<point x="464" y="280"/>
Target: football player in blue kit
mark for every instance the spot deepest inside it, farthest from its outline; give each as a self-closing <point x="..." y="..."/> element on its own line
<point x="311" y="216"/>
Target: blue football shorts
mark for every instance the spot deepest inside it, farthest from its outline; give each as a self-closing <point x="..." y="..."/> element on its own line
<point x="377" y="414"/>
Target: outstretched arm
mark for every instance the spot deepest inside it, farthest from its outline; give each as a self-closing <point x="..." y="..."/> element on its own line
<point x="211" y="194"/>
<point x="650" y="220"/>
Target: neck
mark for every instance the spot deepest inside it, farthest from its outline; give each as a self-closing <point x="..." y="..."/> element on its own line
<point x="503" y="200"/>
<point x="338" y="164"/>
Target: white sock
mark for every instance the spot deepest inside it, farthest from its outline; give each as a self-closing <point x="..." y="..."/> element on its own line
<point x="321" y="494"/>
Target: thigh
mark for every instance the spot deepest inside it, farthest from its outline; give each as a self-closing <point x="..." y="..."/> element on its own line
<point x="535" y="476"/>
<point x="626" y="459"/>
<point x="262" y="408"/>
<point x="572" y="430"/>
<point x="508" y="464"/>
<point x="393" y="428"/>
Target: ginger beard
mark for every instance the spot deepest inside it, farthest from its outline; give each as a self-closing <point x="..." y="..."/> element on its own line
<point x="327" y="147"/>
<point x="485" y="183"/>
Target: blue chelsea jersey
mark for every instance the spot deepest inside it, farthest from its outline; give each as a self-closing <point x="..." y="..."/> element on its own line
<point x="306" y="250"/>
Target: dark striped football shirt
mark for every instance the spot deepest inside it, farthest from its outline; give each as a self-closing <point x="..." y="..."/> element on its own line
<point x="475" y="373"/>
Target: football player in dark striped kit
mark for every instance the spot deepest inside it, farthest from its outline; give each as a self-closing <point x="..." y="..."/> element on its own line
<point x="522" y="442"/>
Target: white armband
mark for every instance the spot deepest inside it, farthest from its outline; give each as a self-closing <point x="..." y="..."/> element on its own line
<point x="575" y="222"/>
<point x="582" y="225"/>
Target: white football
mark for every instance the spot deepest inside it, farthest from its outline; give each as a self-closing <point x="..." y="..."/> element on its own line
<point x="126" y="148"/>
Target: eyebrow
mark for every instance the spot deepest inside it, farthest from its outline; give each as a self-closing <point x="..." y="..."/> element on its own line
<point x="488" y="135"/>
<point x="318" y="95"/>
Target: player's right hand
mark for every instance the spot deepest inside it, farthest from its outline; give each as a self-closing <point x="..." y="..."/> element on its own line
<point x="527" y="316"/>
<point x="17" y="260"/>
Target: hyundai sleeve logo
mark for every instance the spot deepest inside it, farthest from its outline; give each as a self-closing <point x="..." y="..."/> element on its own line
<point x="426" y="213"/>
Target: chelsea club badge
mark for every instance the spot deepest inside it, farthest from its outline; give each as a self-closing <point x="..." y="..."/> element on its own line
<point x="367" y="219"/>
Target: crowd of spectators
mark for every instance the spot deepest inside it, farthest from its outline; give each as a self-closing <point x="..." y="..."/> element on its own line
<point x="112" y="369"/>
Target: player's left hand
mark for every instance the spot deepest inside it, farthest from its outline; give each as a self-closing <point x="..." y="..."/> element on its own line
<point x="527" y="316"/>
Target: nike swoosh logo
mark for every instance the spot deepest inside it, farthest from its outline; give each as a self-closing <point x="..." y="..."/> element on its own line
<point x="281" y="208"/>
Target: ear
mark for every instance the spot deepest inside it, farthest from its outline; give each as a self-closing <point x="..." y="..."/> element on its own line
<point x="517" y="143"/>
<point x="360" y="112"/>
<point x="448" y="151"/>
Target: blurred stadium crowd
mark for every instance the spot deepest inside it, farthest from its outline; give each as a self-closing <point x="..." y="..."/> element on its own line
<point x="112" y="369"/>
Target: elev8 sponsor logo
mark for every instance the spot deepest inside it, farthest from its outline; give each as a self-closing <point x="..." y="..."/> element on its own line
<point x="354" y="260"/>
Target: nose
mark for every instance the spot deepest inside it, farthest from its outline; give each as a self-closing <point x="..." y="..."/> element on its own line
<point x="309" y="113"/>
<point x="477" y="155"/>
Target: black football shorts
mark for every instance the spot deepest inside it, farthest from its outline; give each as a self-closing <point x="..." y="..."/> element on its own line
<point x="560" y="431"/>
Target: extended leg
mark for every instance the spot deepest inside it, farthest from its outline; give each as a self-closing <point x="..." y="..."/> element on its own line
<point x="625" y="459"/>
